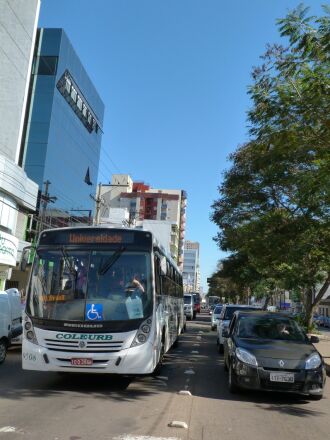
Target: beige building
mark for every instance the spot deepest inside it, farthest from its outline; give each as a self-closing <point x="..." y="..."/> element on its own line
<point x="141" y="203"/>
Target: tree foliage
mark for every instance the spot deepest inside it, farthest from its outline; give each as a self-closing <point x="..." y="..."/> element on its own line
<point x="274" y="205"/>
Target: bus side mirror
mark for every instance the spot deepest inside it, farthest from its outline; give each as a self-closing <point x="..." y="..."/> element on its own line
<point x="25" y="258"/>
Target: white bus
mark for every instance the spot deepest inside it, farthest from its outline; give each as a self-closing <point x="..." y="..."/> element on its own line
<point x="101" y="300"/>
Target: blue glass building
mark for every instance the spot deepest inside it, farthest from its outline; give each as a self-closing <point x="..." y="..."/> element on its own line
<point x="63" y="130"/>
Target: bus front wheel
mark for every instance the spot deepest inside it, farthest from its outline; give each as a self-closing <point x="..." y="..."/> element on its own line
<point x="3" y="350"/>
<point x="161" y="357"/>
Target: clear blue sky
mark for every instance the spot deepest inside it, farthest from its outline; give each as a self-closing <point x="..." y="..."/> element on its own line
<point x="173" y="75"/>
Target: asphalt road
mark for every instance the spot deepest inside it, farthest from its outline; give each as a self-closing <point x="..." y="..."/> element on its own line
<point x="49" y="406"/>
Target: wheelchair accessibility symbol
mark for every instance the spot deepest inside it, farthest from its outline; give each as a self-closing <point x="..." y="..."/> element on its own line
<point x="94" y="312"/>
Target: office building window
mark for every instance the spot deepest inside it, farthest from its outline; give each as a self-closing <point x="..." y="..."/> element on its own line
<point x="45" y="65"/>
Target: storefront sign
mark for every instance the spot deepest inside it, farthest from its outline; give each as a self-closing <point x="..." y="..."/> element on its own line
<point x="8" y="249"/>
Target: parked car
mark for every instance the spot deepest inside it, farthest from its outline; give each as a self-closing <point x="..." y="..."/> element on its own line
<point x="189" y="306"/>
<point x="224" y="320"/>
<point x="10" y="320"/>
<point x="326" y="321"/>
<point x="215" y="316"/>
<point x="271" y="352"/>
<point x="211" y="308"/>
<point x="317" y="320"/>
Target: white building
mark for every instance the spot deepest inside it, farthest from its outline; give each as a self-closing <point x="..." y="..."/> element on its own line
<point x="191" y="270"/>
<point x="18" y="194"/>
<point x="160" y="210"/>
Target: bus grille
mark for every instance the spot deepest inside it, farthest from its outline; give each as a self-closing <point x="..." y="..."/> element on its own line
<point x="84" y="346"/>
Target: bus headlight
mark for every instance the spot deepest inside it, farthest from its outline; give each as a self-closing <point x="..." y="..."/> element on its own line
<point x="143" y="333"/>
<point x="29" y="331"/>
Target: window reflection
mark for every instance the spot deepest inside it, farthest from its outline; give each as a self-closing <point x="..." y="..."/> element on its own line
<point x="65" y="283"/>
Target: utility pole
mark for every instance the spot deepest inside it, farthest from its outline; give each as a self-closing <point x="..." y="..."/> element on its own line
<point x="45" y="198"/>
<point x="98" y="202"/>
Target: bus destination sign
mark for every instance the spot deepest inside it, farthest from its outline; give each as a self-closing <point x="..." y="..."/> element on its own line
<point x="97" y="236"/>
<point x="104" y="237"/>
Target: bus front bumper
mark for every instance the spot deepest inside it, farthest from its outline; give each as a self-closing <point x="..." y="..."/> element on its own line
<point x="137" y="360"/>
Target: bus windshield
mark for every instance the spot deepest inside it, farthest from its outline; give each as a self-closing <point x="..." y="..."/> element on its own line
<point x="90" y="285"/>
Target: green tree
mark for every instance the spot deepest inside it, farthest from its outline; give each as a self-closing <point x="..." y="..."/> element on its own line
<point x="274" y="204"/>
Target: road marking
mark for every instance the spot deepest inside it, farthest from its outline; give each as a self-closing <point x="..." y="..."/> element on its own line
<point x="198" y="337"/>
<point x="197" y="345"/>
<point x="184" y="393"/>
<point x="142" y="437"/>
<point x="195" y="352"/>
<point x="178" y="424"/>
<point x="190" y="371"/>
<point x="8" y="429"/>
<point x="162" y="377"/>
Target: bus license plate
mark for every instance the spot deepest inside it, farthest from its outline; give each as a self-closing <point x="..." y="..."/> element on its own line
<point x="282" y="377"/>
<point x="81" y="361"/>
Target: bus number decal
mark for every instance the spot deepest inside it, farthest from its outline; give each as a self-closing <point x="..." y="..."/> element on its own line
<point x="29" y="357"/>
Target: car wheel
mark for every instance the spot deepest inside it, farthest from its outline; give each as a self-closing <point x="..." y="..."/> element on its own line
<point x="194" y="315"/>
<point x="3" y="351"/>
<point x="231" y="381"/>
<point x="212" y="327"/>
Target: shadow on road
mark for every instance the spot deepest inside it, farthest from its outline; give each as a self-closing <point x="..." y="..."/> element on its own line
<point x="195" y="365"/>
<point x="198" y="352"/>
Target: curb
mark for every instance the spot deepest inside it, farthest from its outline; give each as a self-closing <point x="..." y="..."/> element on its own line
<point x="327" y="369"/>
<point x="321" y="337"/>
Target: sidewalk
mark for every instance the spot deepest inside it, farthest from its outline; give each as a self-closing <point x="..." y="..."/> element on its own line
<point x="324" y="348"/>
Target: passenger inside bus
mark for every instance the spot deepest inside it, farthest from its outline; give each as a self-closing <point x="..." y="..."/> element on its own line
<point x="135" y="284"/>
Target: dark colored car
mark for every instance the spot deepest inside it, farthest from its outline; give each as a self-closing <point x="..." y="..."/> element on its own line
<point x="269" y="351"/>
<point x="197" y="304"/>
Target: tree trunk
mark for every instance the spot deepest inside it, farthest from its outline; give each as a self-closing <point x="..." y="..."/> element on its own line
<point x="266" y="302"/>
<point x="308" y="309"/>
<point x="312" y="301"/>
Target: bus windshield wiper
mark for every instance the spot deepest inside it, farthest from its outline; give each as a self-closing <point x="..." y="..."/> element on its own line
<point x="69" y="264"/>
<point x="111" y="261"/>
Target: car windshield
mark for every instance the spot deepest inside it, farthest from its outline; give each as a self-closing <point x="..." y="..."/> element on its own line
<point x="252" y="327"/>
<point x="231" y="310"/>
<point x="187" y="299"/>
<point x="90" y="285"/>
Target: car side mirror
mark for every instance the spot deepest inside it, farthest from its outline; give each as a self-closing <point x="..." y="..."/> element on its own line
<point x="225" y="333"/>
<point x="314" y="339"/>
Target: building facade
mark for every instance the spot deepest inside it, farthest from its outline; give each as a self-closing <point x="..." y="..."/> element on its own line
<point x="150" y="207"/>
<point x="18" y="193"/>
<point x="63" y="131"/>
<point x="191" y="268"/>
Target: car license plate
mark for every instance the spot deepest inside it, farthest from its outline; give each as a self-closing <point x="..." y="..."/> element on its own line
<point x="81" y="361"/>
<point x="282" y="377"/>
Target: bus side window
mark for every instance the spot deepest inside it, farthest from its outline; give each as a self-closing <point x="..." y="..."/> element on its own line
<point x="157" y="276"/>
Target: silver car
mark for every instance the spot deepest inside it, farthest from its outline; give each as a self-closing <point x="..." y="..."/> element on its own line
<point x="227" y="313"/>
<point x="215" y="316"/>
<point x="188" y="300"/>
